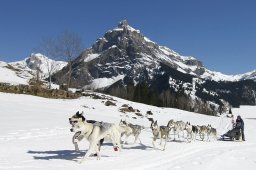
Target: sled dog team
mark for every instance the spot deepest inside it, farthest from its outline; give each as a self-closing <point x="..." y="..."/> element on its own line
<point x="95" y="132"/>
<point x="163" y="132"/>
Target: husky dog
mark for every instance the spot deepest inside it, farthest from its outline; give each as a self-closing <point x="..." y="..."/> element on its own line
<point x="124" y="129"/>
<point x="78" y="136"/>
<point x="203" y="131"/>
<point x="161" y="132"/>
<point x="211" y="132"/>
<point x="93" y="133"/>
<point x="190" y="133"/>
<point x="136" y="130"/>
<point x="172" y="124"/>
<point x="195" y="130"/>
<point x="177" y="127"/>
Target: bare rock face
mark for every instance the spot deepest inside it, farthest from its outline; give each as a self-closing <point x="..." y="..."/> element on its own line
<point x="123" y="51"/>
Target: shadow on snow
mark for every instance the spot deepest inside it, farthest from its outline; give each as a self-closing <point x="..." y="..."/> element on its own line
<point x="58" y="154"/>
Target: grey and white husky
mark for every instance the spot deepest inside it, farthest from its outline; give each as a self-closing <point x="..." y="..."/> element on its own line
<point x="211" y="132"/>
<point x="132" y="129"/>
<point x="125" y="130"/>
<point x="203" y="131"/>
<point x="177" y="126"/>
<point x="190" y="133"/>
<point x="161" y="132"/>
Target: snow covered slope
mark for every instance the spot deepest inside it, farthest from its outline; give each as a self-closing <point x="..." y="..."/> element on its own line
<point x="21" y="71"/>
<point x="8" y="75"/>
<point x="191" y="65"/>
<point x="35" y="134"/>
<point x="37" y="60"/>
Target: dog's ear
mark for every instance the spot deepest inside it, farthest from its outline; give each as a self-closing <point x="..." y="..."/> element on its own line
<point x="83" y="118"/>
<point x="77" y="113"/>
<point x="82" y="113"/>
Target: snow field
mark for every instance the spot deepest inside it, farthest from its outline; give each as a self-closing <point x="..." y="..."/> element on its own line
<point x="35" y="134"/>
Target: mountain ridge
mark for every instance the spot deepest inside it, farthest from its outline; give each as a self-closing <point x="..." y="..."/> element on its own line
<point x="186" y="64"/>
<point x="127" y="64"/>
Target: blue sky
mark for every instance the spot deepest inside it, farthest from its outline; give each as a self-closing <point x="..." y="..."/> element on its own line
<point x="220" y="33"/>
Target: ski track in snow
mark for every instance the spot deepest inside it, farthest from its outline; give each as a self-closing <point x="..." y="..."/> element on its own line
<point x="47" y="143"/>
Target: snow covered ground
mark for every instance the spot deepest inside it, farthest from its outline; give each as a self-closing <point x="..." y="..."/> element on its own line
<point x="10" y="76"/>
<point x="34" y="134"/>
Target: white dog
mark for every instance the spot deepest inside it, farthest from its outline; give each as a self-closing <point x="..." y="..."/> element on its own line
<point x="93" y="133"/>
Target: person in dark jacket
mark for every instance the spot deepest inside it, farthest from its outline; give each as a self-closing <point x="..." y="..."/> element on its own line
<point x="240" y="125"/>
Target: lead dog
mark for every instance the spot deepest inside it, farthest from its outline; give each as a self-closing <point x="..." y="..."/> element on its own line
<point x="78" y="136"/>
<point x="93" y="133"/>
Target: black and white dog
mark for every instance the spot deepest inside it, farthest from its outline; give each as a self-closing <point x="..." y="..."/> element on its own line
<point x="78" y="136"/>
<point x="93" y="132"/>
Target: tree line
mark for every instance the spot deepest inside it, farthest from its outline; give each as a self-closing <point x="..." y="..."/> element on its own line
<point x="166" y="98"/>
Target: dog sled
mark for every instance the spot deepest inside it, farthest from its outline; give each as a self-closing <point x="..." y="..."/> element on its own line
<point x="232" y="135"/>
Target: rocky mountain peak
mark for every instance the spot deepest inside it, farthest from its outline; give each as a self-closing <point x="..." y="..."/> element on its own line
<point x="123" y="24"/>
<point x="123" y="49"/>
<point x="124" y="58"/>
